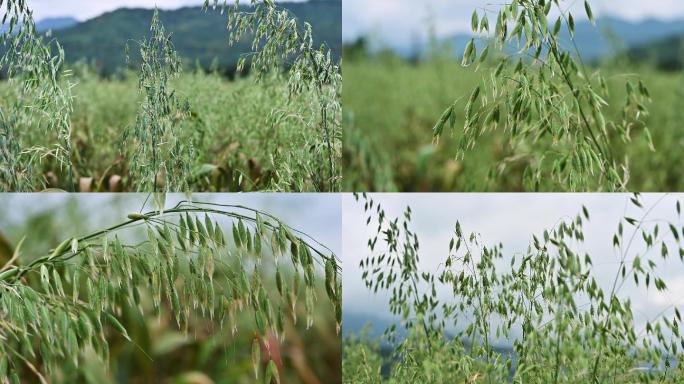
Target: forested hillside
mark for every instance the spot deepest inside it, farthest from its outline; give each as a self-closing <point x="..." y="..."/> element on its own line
<point x="198" y="37"/>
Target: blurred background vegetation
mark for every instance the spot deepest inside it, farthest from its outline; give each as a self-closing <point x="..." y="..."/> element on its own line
<point x="252" y="136"/>
<point x="160" y="352"/>
<point x="394" y="96"/>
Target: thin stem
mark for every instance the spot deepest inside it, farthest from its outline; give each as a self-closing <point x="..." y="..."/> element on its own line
<point x="615" y="282"/>
<point x="324" y="118"/>
<point x="556" y="373"/>
<point x="553" y="46"/>
<point x="153" y="214"/>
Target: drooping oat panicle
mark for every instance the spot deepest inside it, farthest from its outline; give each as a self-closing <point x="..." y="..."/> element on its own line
<point x="68" y="301"/>
<point x="551" y="107"/>
<point x="280" y="43"/>
<point x="160" y="151"/>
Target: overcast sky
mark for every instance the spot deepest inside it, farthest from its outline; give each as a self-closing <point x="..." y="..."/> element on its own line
<point x="511" y="219"/>
<point x="394" y="21"/>
<point x="86" y="9"/>
<point x="318" y="215"/>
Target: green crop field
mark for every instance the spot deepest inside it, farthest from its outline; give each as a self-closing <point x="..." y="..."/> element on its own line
<point x="251" y="136"/>
<point x="391" y="107"/>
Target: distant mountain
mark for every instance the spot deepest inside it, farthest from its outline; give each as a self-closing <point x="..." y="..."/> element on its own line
<point x="353" y="323"/>
<point x="198" y="36"/>
<point x="55" y="24"/>
<point x="666" y="54"/>
<point x="49" y="24"/>
<point x="608" y="37"/>
<point x="600" y="40"/>
<point x="374" y="326"/>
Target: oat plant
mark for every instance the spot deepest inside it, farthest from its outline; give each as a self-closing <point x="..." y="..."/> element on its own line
<point x="160" y="151"/>
<point x="58" y="307"/>
<point x="564" y="323"/>
<point x="279" y="42"/>
<point x="41" y="107"/>
<point x="552" y="107"/>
